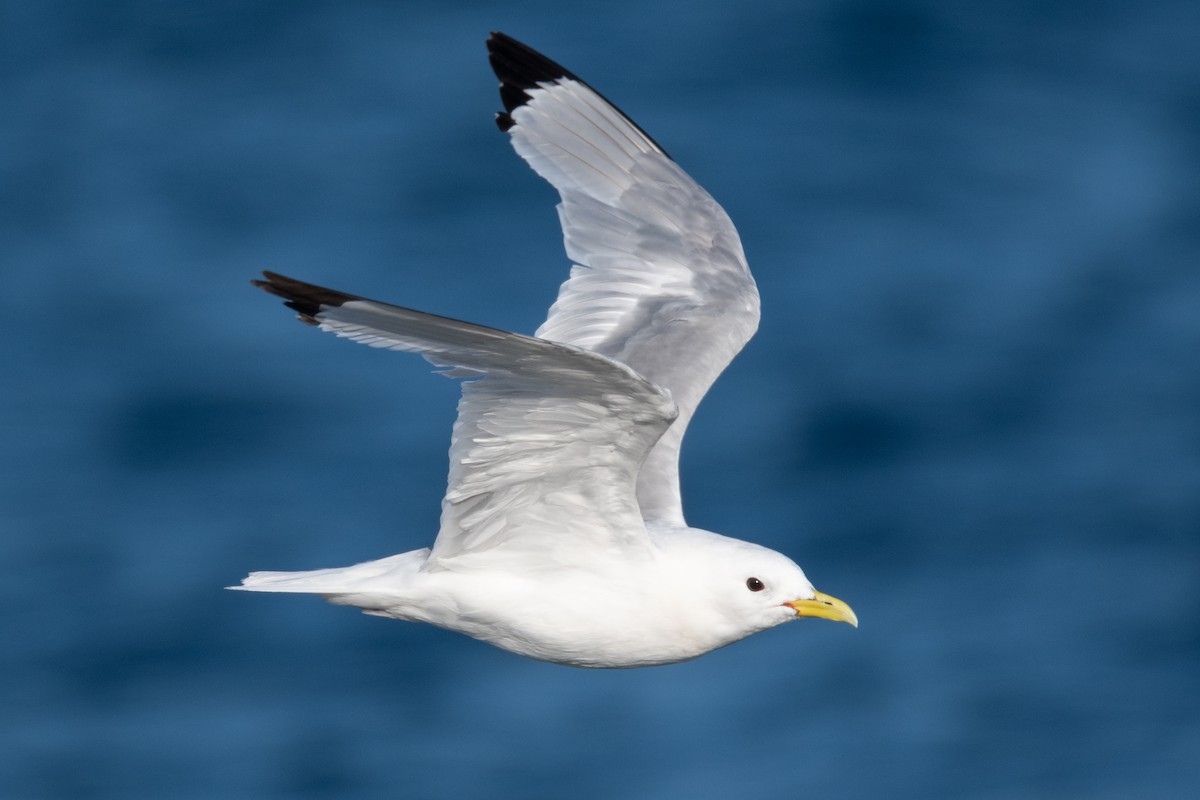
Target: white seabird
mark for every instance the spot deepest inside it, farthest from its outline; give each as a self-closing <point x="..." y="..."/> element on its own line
<point x="562" y="535"/>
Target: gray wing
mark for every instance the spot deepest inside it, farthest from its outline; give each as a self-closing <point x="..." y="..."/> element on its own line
<point x="660" y="282"/>
<point x="548" y="440"/>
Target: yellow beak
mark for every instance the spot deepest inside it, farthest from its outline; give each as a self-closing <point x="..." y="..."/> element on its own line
<point x="824" y="607"/>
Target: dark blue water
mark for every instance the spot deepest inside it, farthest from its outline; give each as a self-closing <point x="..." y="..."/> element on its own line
<point x="972" y="411"/>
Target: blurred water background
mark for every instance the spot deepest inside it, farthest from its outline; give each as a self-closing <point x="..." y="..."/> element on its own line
<point x="972" y="410"/>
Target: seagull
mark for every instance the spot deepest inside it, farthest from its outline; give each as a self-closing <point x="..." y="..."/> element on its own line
<point x="562" y="535"/>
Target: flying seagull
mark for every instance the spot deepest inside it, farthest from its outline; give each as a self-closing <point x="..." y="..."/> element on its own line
<point x="562" y="535"/>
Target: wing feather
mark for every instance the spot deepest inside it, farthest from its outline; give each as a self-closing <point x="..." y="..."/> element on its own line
<point x="549" y="437"/>
<point x="660" y="281"/>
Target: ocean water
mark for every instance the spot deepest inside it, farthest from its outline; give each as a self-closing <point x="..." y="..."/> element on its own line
<point x="972" y="409"/>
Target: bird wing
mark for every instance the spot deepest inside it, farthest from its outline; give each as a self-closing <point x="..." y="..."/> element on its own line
<point x="547" y="444"/>
<point x="660" y="282"/>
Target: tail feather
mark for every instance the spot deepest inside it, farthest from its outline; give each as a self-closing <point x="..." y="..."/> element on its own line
<point x="337" y="580"/>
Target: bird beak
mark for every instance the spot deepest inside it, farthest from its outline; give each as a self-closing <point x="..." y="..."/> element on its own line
<point x="825" y="607"/>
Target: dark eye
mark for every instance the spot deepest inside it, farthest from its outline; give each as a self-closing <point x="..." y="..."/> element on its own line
<point x="755" y="585"/>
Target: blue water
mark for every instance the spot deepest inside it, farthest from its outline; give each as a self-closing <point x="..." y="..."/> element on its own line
<point x="972" y="410"/>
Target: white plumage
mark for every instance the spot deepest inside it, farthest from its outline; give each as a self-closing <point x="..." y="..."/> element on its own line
<point x="562" y="535"/>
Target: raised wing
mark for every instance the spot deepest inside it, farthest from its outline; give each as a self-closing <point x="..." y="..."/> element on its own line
<point x="548" y="440"/>
<point x="660" y="282"/>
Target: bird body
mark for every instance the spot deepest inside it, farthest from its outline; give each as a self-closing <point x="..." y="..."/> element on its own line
<point x="691" y="578"/>
<point x="562" y="535"/>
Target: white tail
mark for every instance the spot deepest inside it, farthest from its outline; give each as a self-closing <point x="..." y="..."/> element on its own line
<point x="338" y="580"/>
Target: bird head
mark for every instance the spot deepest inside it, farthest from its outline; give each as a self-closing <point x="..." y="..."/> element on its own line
<point x="740" y="588"/>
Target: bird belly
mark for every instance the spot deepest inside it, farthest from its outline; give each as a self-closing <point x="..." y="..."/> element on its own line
<point x="555" y="621"/>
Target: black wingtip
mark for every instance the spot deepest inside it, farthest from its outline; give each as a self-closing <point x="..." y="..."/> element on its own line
<point x="521" y="68"/>
<point x="306" y="299"/>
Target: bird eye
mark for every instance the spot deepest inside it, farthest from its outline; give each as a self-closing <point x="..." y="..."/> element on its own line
<point x="755" y="585"/>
